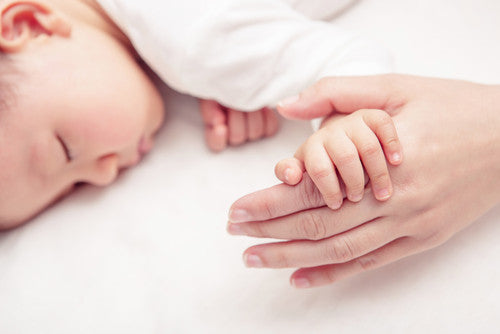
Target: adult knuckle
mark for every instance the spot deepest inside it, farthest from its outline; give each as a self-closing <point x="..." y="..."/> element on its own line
<point x="268" y="208"/>
<point x="331" y="276"/>
<point x="313" y="227"/>
<point x="340" y="250"/>
<point x="436" y="237"/>
<point x="367" y="262"/>
<point x="282" y="260"/>
<point x="312" y="197"/>
<point x="258" y="230"/>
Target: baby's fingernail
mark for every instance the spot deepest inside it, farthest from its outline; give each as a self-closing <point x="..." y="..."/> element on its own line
<point x="288" y="101"/>
<point x="252" y="261"/>
<point x="396" y="157"/>
<point x="288" y="175"/>
<point x="301" y="283"/>
<point x="335" y="205"/>
<point x="356" y="197"/>
<point x="235" y="229"/>
<point x="239" y="216"/>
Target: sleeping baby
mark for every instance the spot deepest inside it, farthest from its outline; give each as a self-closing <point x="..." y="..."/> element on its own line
<point x="78" y="102"/>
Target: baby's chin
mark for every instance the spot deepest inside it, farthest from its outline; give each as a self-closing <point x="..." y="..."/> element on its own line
<point x="10" y="224"/>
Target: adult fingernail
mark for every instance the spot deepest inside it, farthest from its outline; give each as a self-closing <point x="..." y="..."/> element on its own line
<point x="239" y="216"/>
<point x="288" y="101"/>
<point x="301" y="283"/>
<point x="252" y="261"/>
<point x="235" y="229"/>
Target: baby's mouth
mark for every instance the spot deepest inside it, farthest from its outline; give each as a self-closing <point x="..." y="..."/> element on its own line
<point x="145" y="145"/>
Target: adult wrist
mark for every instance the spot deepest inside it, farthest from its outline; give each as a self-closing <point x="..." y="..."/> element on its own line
<point x="491" y="110"/>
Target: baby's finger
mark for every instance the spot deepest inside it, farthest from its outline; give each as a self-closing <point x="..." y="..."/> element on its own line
<point x="373" y="160"/>
<point x="346" y="159"/>
<point x="255" y="124"/>
<point x="212" y="112"/>
<point x="320" y="168"/>
<point x="237" y="127"/>
<point x="289" y="171"/>
<point x="383" y="126"/>
<point x="216" y="137"/>
<point x="271" y="122"/>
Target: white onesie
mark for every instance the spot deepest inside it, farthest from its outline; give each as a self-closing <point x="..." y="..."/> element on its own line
<point x="245" y="54"/>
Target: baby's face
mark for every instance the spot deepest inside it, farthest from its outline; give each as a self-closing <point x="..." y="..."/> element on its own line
<point x="79" y="116"/>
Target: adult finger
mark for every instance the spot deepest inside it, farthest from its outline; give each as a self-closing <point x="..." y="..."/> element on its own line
<point x="339" y="248"/>
<point x="314" y="224"/>
<point x="237" y="128"/>
<point x="327" y="274"/>
<point x="276" y="201"/>
<point x="346" y="95"/>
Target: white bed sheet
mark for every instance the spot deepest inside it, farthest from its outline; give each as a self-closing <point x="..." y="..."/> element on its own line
<point x="150" y="254"/>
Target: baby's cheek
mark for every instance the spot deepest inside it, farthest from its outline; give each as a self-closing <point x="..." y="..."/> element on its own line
<point x="111" y="128"/>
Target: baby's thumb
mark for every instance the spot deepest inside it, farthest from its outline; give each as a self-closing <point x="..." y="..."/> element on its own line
<point x="341" y="94"/>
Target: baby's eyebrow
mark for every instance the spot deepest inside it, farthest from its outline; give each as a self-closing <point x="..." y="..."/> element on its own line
<point x="67" y="152"/>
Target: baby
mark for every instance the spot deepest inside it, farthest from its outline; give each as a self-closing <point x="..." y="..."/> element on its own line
<point x="77" y="103"/>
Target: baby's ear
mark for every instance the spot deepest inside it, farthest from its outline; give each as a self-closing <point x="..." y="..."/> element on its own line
<point x="23" y="21"/>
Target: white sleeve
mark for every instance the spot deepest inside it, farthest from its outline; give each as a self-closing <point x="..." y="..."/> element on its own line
<point x="245" y="54"/>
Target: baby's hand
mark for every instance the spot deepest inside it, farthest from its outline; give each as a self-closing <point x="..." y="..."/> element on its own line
<point x="224" y="126"/>
<point x="341" y="148"/>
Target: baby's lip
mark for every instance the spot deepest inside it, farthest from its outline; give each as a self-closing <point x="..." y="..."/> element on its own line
<point x="143" y="147"/>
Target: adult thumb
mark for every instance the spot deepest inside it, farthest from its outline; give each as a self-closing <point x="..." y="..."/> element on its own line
<point x="345" y="95"/>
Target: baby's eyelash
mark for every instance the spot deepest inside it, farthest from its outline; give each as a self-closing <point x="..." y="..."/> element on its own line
<point x="69" y="156"/>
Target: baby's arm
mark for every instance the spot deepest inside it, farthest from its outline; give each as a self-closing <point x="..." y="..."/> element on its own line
<point x="344" y="148"/>
<point x="244" y="54"/>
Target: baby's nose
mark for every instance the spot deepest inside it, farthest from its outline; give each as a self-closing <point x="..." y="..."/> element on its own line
<point x="104" y="171"/>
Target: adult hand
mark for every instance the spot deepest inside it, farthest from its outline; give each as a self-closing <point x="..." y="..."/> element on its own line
<point x="450" y="135"/>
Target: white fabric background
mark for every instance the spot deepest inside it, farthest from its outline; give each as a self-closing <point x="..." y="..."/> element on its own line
<point x="150" y="254"/>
